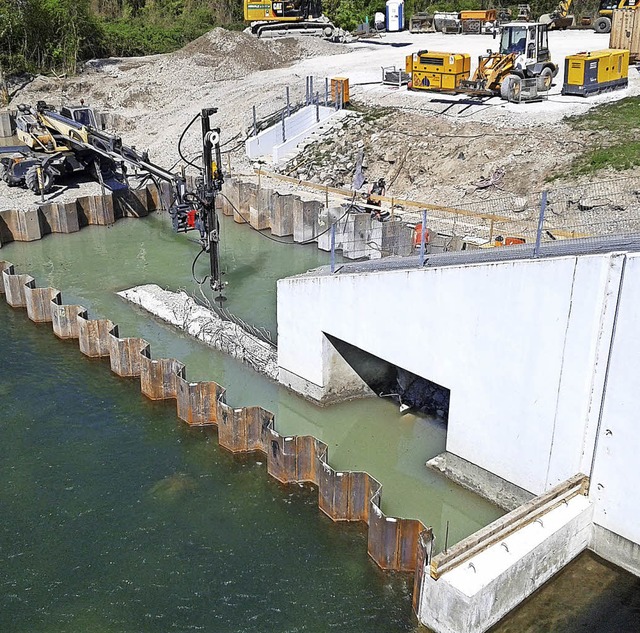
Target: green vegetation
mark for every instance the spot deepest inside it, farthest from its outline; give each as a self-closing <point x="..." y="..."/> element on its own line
<point x="617" y="133"/>
<point x="55" y="35"/>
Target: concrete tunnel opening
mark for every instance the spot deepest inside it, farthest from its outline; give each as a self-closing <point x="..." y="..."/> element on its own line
<point x="410" y="391"/>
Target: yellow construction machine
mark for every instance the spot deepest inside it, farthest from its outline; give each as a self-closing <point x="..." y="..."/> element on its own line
<point x="272" y="18"/>
<point x="601" y="23"/>
<point x="523" y="56"/>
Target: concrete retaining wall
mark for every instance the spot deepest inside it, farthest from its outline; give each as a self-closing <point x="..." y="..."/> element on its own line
<point x="343" y="496"/>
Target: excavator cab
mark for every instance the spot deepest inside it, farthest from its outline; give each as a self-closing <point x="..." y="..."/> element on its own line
<point x="82" y="115"/>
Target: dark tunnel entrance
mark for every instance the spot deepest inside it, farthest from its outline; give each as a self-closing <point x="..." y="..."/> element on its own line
<point x="409" y="390"/>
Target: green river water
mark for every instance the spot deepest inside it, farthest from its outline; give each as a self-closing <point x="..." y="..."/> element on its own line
<point x="116" y="517"/>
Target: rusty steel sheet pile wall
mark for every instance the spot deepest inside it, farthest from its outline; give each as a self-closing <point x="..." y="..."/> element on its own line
<point x="393" y="543"/>
<point x="27" y="225"/>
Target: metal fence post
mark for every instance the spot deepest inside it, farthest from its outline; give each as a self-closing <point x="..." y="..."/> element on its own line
<point x="423" y="236"/>
<point x="333" y="247"/>
<point x="284" y="131"/>
<point x="306" y="90"/>
<point x="317" y="107"/>
<point x="543" y="207"/>
<point x="288" y="103"/>
<point x="326" y="91"/>
<point x="255" y="122"/>
<point x="310" y="88"/>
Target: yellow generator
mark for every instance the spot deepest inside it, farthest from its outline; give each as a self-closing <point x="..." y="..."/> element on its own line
<point x="598" y="71"/>
<point x="431" y="70"/>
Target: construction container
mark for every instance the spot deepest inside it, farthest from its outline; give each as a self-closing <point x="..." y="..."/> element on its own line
<point x="431" y="70"/>
<point x="625" y="32"/>
<point x="597" y="71"/>
<point x="395" y="15"/>
<point x="340" y="89"/>
<point x="488" y="15"/>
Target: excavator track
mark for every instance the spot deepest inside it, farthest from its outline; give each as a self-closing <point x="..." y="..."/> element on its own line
<point x="286" y="29"/>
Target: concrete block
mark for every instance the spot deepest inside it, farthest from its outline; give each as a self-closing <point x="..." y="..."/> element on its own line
<point x="260" y="213"/>
<point x="397" y="238"/>
<point x="282" y="215"/>
<point x="305" y="219"/>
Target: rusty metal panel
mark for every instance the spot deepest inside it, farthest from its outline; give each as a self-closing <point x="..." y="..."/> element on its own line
<point x="64" y="319"/>
<point x="196" y="401"/>
<point x="326" y="487"/>
<point x="423" y="560"/>
<point x="8" y="267"/>
<point x="158" y="377"/>
<point x="341" y="510"/>
<point x="126" y="355"/>
<point x="281" y="457"/>
<point x="232" y="430"/>
<point x="359" y="496"/>
<point x="93" y="336"/>
<point x="259" y="423"/>
<point x="14" y="287"/>
<point x="409" y="531"/>
<point x="38" y="302"/>
<point x="309" y="448"/>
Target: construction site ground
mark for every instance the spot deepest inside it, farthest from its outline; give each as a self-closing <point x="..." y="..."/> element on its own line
<point x="425" y="148"/>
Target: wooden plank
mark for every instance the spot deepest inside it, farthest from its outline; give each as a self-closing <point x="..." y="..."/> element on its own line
<point x="509" y="523"/>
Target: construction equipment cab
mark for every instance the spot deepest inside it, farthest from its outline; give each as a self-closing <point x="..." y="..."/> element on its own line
<point x="272" y="18"/>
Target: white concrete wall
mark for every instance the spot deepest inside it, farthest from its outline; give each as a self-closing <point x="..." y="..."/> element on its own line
<point x="474" y="596"/>
<point x="297" y="127"/>
<point x="520" y="344"/>
<point x="615" y="482"/>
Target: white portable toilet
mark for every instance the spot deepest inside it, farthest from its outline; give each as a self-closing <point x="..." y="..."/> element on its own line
<point x="395" y="15"/>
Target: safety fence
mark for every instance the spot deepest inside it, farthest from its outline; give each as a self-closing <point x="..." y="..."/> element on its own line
<point x="393" y="543"/>
<point x="393" y="226"/>
<point x="316" y="91"/>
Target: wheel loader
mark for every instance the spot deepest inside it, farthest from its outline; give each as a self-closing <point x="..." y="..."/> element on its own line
<point x="523" y="54"/>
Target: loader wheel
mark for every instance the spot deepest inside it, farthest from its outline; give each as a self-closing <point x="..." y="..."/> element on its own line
<point x="544" y="79"/>
<point x="510" y="88"/>
<point x="32" y="182"/>
<point x="602" y="25"/>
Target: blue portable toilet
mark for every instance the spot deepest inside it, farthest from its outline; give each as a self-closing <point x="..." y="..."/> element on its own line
<point x="395" y="15"/>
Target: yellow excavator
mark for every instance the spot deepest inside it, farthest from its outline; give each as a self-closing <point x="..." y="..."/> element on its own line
<point x="560" y="18"/>
<point x="273" y="18"/>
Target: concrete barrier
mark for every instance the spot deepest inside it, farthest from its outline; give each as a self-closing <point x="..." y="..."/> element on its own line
<point x="343" y="496"/>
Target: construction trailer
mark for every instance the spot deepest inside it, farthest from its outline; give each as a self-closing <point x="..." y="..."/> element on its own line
<point x="594" y="72"/>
